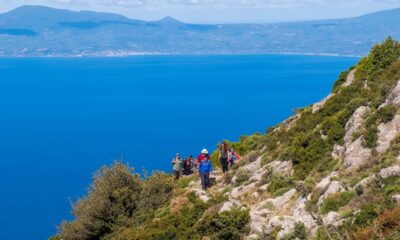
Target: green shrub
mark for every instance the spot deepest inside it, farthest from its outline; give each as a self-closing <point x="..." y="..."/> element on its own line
<point x="334" y="202"/>
<point x="391" y="185"/>
<point x="299" y="232"/>
<point x="281" y="191"/>
<point x="366" y="216"/>
<point x="387" y="113"/>
<point x="384" y="54"/>
<point x="111" y="201"/>
<point x="242" y="176"/>
<point x="280" y="184"/>
<point x="371" y="136"/>
<point x="226" y="225"/>
<point x="341" y="80"/>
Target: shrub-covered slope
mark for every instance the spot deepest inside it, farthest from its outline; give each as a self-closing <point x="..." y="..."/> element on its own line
<point x="332" y="171"/>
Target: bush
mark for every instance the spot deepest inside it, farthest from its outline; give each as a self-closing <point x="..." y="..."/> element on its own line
<point x="279" y="185"/>
<point x="226" y="225"/>
<point x="386" y="226"/>
<point x="281" y="191"/>
<point x="387" y="113"/>
<point x="334" y="202"/>
<point x="242" y="176"/>
<point x="391" y="185"/>
<point x="299" y="232"/>
<point x="111" y="201"/>
<point x="370" y="137"/>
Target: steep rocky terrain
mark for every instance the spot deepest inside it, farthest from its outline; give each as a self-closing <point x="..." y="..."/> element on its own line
<point x="332" y="171"/>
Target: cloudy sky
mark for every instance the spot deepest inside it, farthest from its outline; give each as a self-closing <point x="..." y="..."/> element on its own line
<point x="220" y="11"/>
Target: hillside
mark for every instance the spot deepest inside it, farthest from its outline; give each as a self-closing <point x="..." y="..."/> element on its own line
<point x="43" y="31"/>
<point x="332" y="171"/>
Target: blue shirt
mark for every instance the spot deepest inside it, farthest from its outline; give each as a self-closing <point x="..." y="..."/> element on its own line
<point x="205" y="166"/>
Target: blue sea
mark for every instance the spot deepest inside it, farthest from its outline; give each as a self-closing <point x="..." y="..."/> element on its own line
<point x="62" y="119"/>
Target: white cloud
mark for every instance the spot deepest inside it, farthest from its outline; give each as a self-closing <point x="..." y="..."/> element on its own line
<point x="221" y="3"/>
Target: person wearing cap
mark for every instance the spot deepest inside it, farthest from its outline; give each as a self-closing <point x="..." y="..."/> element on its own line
<point x="177" y="166"/>
<point x="203" y="154"/>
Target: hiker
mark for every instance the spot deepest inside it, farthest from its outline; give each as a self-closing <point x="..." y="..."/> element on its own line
<point x="205" y="169"/>
<point x="232" y="157"/>
<point x="203" y="154"/>
<point x="223" y="157"/>
<point x="177" y="166"/>
<point x="194" y="162"/>
<point x="187" y="166"/>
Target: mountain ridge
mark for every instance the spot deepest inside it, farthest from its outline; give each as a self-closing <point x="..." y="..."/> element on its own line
<point x="46" y="32"/>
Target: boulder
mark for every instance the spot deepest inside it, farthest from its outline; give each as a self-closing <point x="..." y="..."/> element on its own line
<point x="241" y="190"/>
<point x="334" y="187"/>
<point x="253" y="166"/>
<point x="338" y="151"/>
<point x="387" y="133"/>
<point x="226" y="207"/>
<point x="323" y="184"/>
<point x="366" y="181"/>
<point x="394" y="96"/>
<point x="258" y="220"/>
<point x="356" y="155"/>
<point x="390" y="171"/>
<point x="285" y="167"/>
<point x="354" y="123"/>
<point x="350" y="78"/>
<point x="299" y="212"/>
<point x="286" y="223"/>
<point x="279" y="203"/>
<point x="332" y="218"/>
<point x="396" y="198"/>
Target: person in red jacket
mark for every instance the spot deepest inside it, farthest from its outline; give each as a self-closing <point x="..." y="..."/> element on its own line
<point x="203" y="155"/>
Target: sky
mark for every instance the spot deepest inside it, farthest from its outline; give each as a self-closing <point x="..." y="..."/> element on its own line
<point x="220" y="11"/>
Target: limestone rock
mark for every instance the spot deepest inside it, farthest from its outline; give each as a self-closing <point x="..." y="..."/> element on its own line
<point x="350" y="78"/>
<point x="387" y="133"/>
<point x="258" y="220"/>
<point x="332" y="218"/>
<point x="264" y="187"/>
<point x="394" y="96"/>
<point x="280" y="202"/>
<point x="241" y="190"/>
<point x="281" y="166"/>
<point x="299" y="211"/>
<point x="227" y="206"/>
<point x="356" y="155"/>
<point x="338" y="151"/>
<point x="396" y="198"/>
<point x="323" y="184"/>
<point x="334" y="187"/>
<point x="286" y="223"/>
<point x="253" y="166"/>
<point x="355" y="123"/>
<point x="390" y="171"/>
<point x="366" y="181"/>
<point x="202" y="195"/>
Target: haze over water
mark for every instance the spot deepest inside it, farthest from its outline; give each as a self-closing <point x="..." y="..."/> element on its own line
<point x="61" y="119"/>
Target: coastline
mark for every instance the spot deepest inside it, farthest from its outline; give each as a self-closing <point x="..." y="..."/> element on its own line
<point x="137" y="54"/>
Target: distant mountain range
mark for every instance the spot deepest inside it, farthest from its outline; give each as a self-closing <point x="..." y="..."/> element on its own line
<point x="44" y="31"/>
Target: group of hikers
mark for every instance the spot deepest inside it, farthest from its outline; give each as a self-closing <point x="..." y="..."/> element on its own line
<point x="203" y="164"/>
